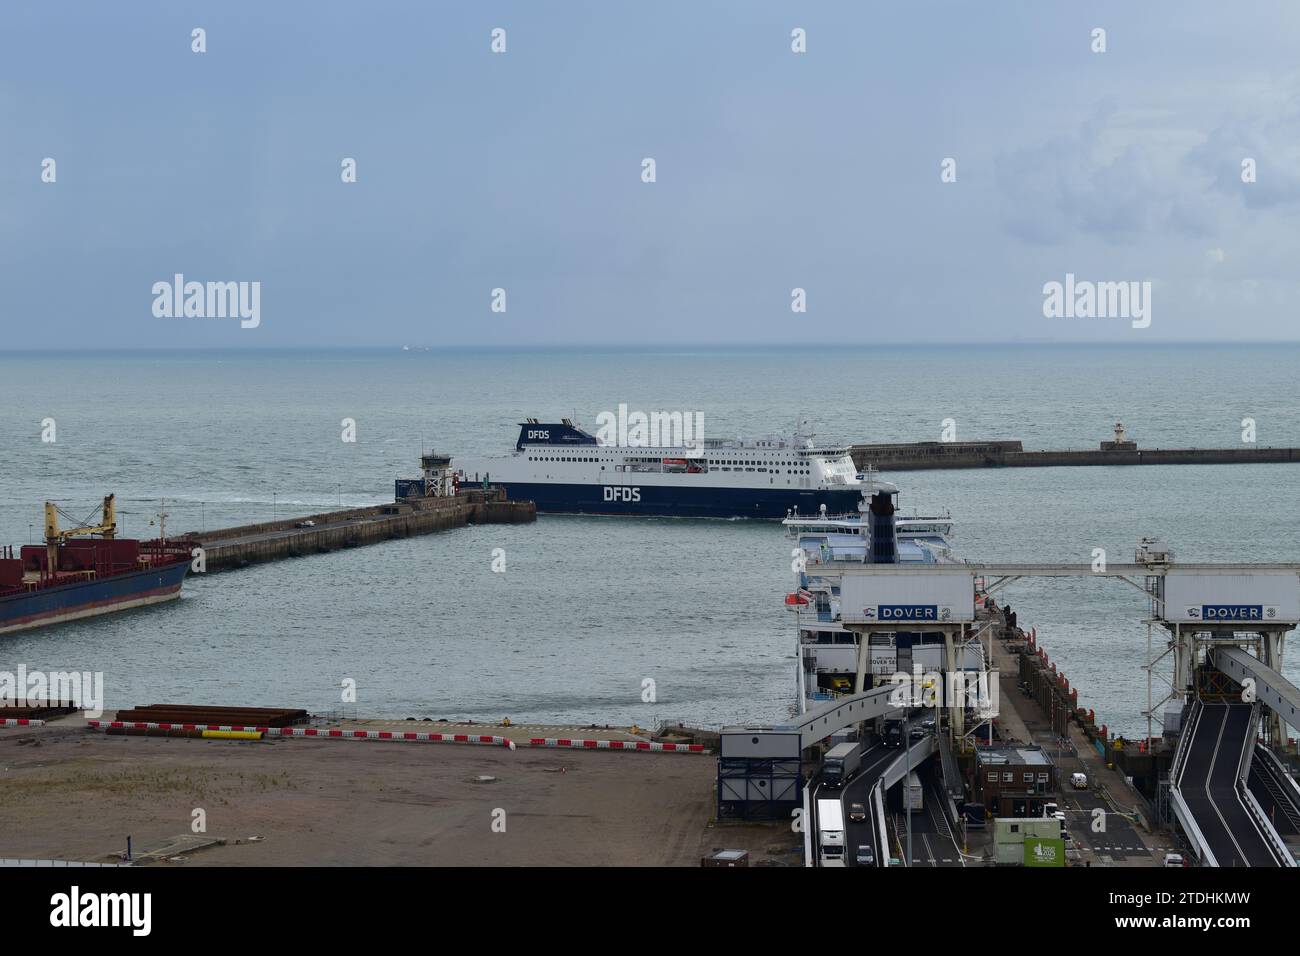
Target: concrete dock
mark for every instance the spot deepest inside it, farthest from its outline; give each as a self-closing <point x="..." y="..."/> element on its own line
<point x="1130" y="837"/>
<point x="329" y="531"/>
<point x="1009" y="454"/>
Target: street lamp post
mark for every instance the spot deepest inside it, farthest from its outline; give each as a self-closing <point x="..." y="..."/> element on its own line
<point x="907" y="788"/>
<point x="907" y="780"/>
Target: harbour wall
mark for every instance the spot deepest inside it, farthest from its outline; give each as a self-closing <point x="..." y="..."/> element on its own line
<point x="237" y="547"/>
<point x="1010" y="454"/>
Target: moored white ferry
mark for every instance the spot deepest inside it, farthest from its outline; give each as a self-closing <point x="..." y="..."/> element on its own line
<point x="827" y="650"/>
<point x="566" y="470"/>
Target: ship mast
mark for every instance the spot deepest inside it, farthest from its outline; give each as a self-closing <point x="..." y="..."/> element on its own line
<point x="107" y="528"/>
<point x="162" y="517"/>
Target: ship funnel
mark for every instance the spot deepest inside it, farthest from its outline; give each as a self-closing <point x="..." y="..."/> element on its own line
<point x="882" y="531"/>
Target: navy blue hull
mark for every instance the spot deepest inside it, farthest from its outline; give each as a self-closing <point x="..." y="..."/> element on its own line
<point x="88" y="598"/>
<point x="678" y="502"/>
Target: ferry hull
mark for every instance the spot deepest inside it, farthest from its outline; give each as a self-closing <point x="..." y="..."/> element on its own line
<point x="81" y="599"/>
<point x="677" y="502"/>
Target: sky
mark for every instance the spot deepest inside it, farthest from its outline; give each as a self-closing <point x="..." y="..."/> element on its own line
<point x="524" y="171"/>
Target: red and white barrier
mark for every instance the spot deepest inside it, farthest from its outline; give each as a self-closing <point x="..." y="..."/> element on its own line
<point x="21" y="722"/>
<point x="633" y="745"/>
<point x="320" y="732"/>
<point x="490" y="740"/>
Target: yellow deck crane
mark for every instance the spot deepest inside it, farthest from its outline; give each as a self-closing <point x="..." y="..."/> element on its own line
<point x="107" y="528"/>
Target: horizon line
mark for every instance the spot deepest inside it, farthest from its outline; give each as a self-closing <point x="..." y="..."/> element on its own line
<point x="640" y="346"/>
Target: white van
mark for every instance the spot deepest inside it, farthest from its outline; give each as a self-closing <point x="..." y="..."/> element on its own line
<point x="1079" y="781"/>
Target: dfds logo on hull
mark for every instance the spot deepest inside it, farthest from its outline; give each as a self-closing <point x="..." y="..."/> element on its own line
<point x="622" y="494"/>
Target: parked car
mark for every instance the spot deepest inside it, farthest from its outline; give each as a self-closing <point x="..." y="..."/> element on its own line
<point x="857" y="812"/>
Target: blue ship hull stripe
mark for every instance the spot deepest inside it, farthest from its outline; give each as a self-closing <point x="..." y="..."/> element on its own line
<point x="767" y="503"/>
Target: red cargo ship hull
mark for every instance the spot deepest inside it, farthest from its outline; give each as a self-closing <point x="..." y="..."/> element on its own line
<point x="95" y="576"/>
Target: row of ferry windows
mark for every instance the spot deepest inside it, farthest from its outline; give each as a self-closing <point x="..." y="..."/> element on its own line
<point x="720" y="465"/>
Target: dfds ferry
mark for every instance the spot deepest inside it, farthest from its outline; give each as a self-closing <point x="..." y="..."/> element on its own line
<point x="566" y="470"/>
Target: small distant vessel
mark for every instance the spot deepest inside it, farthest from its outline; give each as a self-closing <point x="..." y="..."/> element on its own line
<point x="86" y="571"/>
<point x="567" y="470"/>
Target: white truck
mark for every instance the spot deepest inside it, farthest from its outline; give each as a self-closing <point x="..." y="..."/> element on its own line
<point x="914" y="798"/>
<point x="830" y="832"/>
<point x="841" y="763"/>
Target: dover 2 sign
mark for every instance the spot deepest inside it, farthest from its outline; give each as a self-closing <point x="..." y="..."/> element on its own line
<point x="907" y="612"/>
<point x="923" y="596"/>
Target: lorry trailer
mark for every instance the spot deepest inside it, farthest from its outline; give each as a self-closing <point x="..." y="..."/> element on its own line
<point x="841" y="763"/>
<point x="830" y="832"/>
<point x="913" y="799"/>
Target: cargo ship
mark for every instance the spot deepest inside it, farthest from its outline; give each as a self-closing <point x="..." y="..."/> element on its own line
<point x="566" y="470"/>
<point x="85" y="571"/>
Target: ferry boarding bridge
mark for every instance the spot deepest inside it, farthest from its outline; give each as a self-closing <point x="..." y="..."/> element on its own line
<point x="1213" y="614"/>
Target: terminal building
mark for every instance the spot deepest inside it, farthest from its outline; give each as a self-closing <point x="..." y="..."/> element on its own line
<point x="1014" y="781"/>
